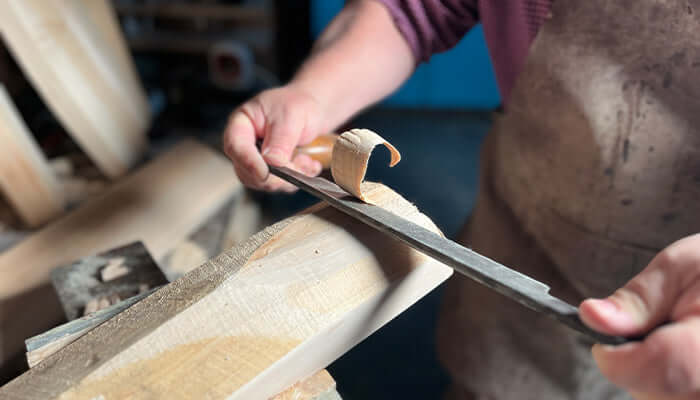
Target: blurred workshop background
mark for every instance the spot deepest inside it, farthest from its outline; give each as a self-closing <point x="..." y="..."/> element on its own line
<point x="197" y="60"/>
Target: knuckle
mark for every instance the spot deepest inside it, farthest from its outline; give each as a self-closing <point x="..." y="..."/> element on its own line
<point x="677" y="363"/>
<point x="669" y="257"/>
<point x="247" y="162"/>
<point x="680" y="254"/>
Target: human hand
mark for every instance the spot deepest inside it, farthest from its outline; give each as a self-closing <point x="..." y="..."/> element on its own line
<point x="666" y="364"/>
<point x="283" y="118"/>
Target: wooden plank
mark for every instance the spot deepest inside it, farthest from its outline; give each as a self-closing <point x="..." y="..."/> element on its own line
<point x="160" y="204"/>
<point x="61" y="52"/>
<point x="25" y="176"/>
<point x="252" y="321"/>
<point x="106" y="23"/>
<point x="319" y="386"/>
<point x="45" y="344"/>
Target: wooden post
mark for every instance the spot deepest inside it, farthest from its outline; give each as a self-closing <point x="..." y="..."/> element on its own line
<point x="252" y="321"/>
<point x="160" y="204"/>
<point x="25" y="176"/>
<point x="67" y="59"/>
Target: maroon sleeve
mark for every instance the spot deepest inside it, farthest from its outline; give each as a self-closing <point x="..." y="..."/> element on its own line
<point x="432" y="26"/>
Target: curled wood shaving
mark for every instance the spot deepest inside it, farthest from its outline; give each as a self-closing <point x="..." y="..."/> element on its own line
<point x="350" y="157"/>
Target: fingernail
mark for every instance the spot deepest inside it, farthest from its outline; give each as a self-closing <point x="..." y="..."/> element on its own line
<point x="274" y="156"/>
<point x="612" y="311"/>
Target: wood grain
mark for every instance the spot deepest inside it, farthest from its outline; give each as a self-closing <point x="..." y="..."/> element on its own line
<point x="68" y="60"/>
<point x="319" y="386"/>
<point x="160" y="204"/>
<point x="25" y="176"/>
<point x="254" y="320"/>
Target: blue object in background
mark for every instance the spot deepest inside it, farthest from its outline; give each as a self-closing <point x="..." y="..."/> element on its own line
<point x="460" y="78"/>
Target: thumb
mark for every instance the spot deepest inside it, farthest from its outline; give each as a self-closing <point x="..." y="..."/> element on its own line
<point x="281" y="138"/>
<point x="642" y="304"/>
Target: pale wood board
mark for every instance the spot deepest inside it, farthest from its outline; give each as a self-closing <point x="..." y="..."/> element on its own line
<point x="320" y="386"/>
<point x="105" y="20"/>
<point x="25" y="176"/>
<point x="45" y="344"/>
<point x="252" y="321"/>
<point x="160" y="204"/>
<point x="67" y="59"/>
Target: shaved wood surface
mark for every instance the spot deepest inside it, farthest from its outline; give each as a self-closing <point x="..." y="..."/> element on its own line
<point x="160" y="204"/>
<point x="319" y="386"/>
<point x="254" y="320"/>
<point x="69" y="62"/>
<point x="25" y="176"/>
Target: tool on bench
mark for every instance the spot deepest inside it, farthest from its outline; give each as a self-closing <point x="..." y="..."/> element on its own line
<point x="519" y="287"/>
<point x="98" y="281"/>
<point x="92" y="290"/>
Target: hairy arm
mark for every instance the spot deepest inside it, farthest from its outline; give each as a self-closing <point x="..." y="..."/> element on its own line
<point x="358" y="60"/>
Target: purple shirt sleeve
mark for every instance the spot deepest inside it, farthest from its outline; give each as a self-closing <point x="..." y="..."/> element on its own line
<point x="432" y="26"/>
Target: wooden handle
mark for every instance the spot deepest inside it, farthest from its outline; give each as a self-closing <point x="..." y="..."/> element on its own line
<point x="320" y="149"/>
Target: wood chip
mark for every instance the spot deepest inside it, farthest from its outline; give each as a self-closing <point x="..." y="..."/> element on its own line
<point x="115" y="269"/>
<point x="350" y="157"/>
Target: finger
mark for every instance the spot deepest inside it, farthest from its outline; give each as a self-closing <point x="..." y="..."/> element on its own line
<point x="271" y="184"/>
<point x="246" y="178"/>
<point x="239" y="146"/>
<point x="275" y="184"/>
<point x="281" y="138"/>
<point x="307" y="165"/>
<point x="649" y="298"/>
<point x="664" y="363"/>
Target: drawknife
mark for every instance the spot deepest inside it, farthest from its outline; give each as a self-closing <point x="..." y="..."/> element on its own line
<point x="529" y="292"/>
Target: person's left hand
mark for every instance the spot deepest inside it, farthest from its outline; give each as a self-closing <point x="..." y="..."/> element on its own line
<point x="666" y="365"/>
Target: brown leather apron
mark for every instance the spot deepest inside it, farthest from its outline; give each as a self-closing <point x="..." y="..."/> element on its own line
<point x="593" y="169"/>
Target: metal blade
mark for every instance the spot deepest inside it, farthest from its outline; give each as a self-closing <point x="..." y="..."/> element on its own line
<point x="521" y="288"/>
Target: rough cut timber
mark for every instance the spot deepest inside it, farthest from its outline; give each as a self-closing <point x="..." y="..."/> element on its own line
<point x="320" y="386"/>
<point x="43" y="345"/>
<point x="69" y="61"/>
<point x="25" y="176"/>
<point x="252" y="321"/>
<point x="160" y="204"/>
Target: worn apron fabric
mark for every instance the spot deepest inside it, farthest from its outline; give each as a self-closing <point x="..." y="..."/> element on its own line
<point x="592" y="170"/>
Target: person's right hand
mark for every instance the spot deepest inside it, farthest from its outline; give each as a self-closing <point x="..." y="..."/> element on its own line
<point x="283" y="118"/>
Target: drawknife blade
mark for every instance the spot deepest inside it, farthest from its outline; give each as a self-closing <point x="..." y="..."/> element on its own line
<point x="529" y="292"/>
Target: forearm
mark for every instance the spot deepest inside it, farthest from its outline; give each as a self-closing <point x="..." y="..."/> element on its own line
<point x="358" y="60"/>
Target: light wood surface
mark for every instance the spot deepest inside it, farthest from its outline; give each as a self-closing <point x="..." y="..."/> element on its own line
<point x="69" y="61"/>
<point x="25" y="176"/>
<point x="254" y="320"/>
<point x="160" y="204"/>
<point x="45" y="344"/>
<point x="104" y="19"/>
<point x="319" y="386"/>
